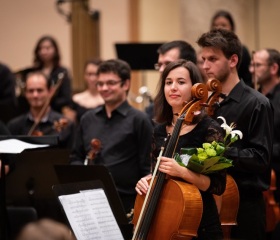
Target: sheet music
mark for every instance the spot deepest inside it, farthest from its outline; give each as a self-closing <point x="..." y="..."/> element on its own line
<point x="17" y="146"/>
<point x="90" y="215"/>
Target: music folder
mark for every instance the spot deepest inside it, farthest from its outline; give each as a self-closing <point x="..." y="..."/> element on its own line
<point x="78" y="178"/>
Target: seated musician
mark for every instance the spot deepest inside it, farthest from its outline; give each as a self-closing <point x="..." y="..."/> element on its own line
<point x="173" y="91"/>
<point x="49" y="122"/>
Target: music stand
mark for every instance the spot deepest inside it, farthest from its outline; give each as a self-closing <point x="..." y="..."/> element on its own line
<point x="140" y="56"/>
<point x="5" y="188"/>
<point x="76" y="175"/>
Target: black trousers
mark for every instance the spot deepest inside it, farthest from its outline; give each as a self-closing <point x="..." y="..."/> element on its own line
<point x="251" y="219"/>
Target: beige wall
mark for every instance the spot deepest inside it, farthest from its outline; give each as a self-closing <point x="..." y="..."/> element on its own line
<point x="23" y="22"/>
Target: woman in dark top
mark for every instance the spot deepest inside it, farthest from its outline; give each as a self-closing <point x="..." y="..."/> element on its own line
<point x="47" y="59"/>
<point x="174" y="89"/>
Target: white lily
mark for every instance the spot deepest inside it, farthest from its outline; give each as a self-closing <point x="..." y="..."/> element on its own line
<point x="229" y="129"/>
<point x="236" y="132"/>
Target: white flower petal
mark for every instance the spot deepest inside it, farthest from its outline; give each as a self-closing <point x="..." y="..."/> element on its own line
<point x="226" y="127"/>
<point x="236" y="132"/>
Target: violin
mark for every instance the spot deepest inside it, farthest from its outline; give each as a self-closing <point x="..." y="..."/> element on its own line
<point x="171" y="209"/>
<point x="95" y="148"/>
<point x="57" y="126"/>
<point x="32" y="131"/>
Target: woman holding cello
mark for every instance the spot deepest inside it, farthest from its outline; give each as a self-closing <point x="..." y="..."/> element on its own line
<point x="174" y="89"/>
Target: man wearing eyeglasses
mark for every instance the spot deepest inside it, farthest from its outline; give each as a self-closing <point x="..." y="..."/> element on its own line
<point x="265" y="69"/>
<point x="170" y="52"/>
<point x="123" y="131"/>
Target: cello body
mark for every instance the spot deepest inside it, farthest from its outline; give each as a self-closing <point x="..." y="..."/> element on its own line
<point x="271" y="206"/>
<point x="180" y="202"/>
<point x="229" y="206"/>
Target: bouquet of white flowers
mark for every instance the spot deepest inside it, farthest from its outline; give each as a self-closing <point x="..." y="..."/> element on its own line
<point x="209" y="158"/>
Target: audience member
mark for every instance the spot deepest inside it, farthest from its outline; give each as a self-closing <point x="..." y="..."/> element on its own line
<point x="124" y="132"/>
<point x="265" y="70"/>
<point x="46" y="120"/>
<point x="90" y="98"/>
<point x="170" y="52"/>
<point x="174" y="89"/>
<point x="46" y="229"/>
<point x="253" y="116"/>
<point x="223" y="19"/>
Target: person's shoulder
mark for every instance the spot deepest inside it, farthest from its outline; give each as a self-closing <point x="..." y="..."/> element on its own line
<point x="4" y="69"/>
<point x="81" y="96"/>
<point x="16" y="122"/>
<point x="255" y="95"/>
<point x="91" y="113"/>
<point x="17" y="119"/>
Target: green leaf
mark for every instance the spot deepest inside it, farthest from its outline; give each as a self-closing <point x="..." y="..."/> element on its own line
<point x="195" y="166"/>
<point x="188" y="151"/>
<point x="211" y="161"/>
<point x="217" y="167"/>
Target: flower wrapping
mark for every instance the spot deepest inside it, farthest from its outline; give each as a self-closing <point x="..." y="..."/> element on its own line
<point x="205" y="160"/>
<point x="209" y="158"/>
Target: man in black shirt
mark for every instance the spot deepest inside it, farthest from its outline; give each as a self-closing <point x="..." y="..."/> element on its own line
<point x="124" y="132"/>
<point x="265" y="69"/>
<point x="40" y="114"/>
<point x="252" y="113"/>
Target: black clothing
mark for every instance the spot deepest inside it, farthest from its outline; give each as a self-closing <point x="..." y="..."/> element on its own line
<point x="243" y="70"/>
<point x="63" y="96"/>
<point x="125" y="145"/>
<point x="23" y="123"/>
<point x="207" y="130"/>
<point x="253" y="115"/>
<point x="7" y="93"/>
<point x="274" y="98"/>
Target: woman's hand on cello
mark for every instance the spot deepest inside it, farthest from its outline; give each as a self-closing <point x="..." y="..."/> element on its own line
<point x="171" y="167"/>
<point x="143" y="185"/>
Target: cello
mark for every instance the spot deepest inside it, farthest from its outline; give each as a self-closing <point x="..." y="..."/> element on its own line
<point x="228" y="202"/>
<point x="171" y="209"/>
<point x="271" y="206"/>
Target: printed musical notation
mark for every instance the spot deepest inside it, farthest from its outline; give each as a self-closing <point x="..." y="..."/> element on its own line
<point x="90" y="215"/>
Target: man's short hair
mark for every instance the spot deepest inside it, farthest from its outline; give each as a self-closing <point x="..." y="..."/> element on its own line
<point x="39" y="73"/>
<point x="226" y="41"/>
<point x="117" y="66"/>
<point x="273" y="57"/>
<point x="186" y="51"/>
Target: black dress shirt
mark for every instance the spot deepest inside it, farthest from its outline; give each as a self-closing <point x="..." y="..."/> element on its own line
<point x="23" y="123"/>
<point x="274" y="98"/>
<point x="252" y="113"/>
<point x="125" y="144"/>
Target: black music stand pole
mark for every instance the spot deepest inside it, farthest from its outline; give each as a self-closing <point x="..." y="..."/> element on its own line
<point x="3" y="209"/>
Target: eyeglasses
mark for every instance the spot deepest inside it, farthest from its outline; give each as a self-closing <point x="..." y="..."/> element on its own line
<point x="109" y="83"/>
<point x="158" y="65"/>
<point x="257" y="65"/>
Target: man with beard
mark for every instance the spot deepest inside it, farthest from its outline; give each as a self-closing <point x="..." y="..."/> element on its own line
<point x="253" y="116"/>
<point x="265" y="69"/>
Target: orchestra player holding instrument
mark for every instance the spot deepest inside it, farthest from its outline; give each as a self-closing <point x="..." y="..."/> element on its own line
<point x="123" y="132"/>
<point x="41" y="119"/>
<point x="173" y="91"/>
